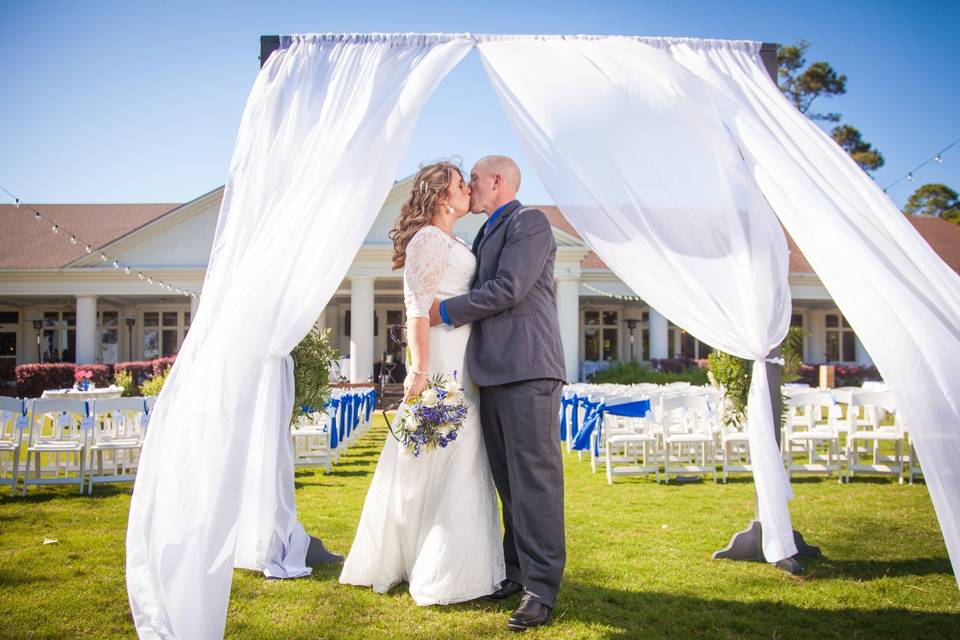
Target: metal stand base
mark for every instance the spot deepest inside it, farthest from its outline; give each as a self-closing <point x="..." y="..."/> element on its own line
<point x="317" y="554"/>
<point x="746" y="545"/>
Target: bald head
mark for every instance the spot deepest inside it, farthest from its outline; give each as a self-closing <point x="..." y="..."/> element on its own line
<point x="494" y="181"/>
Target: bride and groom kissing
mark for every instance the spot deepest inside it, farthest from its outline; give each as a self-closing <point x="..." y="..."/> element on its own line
<point x="489" y="312"/>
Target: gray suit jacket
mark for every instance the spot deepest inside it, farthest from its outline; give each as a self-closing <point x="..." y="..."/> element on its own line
<point x="512" y="302"/>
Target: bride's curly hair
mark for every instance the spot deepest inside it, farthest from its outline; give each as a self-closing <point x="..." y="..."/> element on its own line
<point x="431" y="181"/>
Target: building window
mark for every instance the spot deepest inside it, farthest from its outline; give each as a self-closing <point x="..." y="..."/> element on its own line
<point x="58" y="341"/>
<point x="601" y="335"/>
<point x="9" y="336"/>
<point x="108" y="323"/>
<point x="840" y="339"/>
<point x="163" y="332"/>
<point x="690" y="347"/>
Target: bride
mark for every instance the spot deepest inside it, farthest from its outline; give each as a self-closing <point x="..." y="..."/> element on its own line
<point x="432" y="521"/>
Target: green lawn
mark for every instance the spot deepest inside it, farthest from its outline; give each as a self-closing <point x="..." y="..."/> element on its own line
<point x="638" y="566"/>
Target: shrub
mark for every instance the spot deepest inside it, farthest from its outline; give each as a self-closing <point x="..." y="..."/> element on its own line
<point x="124" y="379"/>
<point x="153" y="386"/>
<point x="101" y="374"/>
<point x="162" y="364"/>
<point x="734" y="374"/>
<point x="635" y="373"/>
<point x="33" y="379"/>
<point x="311" y="370"/>
<point x="677" y="365"/>
<point x="144" y="370"/>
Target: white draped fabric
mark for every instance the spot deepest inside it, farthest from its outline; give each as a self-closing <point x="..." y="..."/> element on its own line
<point x="902" y="300"/>
<point x="632" y="149"/>
<point x="320" y="142"/>
<point x="666" y="155"/>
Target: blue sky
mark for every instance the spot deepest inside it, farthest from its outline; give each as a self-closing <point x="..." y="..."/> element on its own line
<point x="140" y="102"/>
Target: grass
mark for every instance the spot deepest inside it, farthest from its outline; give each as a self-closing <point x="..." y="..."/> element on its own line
<point x="638" y="566"/>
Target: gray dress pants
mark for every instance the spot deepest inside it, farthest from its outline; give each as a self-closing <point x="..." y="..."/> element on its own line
<point x="521" y="430"/>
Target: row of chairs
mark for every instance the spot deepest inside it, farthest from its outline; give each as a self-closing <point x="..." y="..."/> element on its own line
<point x="71" y="441"/>
<point x="63" y="441"/>
<point x="681" y="430"/>
<point x="320" y="436"/>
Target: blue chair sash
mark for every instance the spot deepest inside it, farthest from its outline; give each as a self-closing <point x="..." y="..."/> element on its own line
<point x="593" y="420"/>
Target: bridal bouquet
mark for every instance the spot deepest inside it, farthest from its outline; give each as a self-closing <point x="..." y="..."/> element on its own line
<point x="431" y="420"/>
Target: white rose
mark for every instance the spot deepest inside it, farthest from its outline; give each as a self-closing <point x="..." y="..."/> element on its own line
<point x="451" y="385"/>
<point x="410" y="423"/>
<point x="454" y="397"/>
<point x="429" y="398"/>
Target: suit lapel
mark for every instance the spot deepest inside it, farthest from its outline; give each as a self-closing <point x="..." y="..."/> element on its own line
<point x="513" y="206"/>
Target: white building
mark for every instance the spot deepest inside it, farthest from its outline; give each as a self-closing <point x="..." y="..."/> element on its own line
<point x="59" y="302"/>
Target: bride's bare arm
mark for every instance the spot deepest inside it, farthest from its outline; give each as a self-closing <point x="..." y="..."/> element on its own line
<point x="418" y="337"/>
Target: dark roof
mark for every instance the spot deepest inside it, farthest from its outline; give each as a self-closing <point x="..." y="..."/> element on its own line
<point x="943" y="237"/>
<point x="28" y="244"/>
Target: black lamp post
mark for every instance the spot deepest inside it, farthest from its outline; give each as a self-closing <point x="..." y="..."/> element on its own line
<point x="130" y="322"/>
<point x="631" y="325"/>
<point x="37" y="325"/>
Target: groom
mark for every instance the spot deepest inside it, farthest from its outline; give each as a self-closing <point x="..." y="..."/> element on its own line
<point x="516" y="359"/>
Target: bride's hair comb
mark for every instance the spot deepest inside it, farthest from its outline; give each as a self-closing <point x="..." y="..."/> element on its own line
<point x="423" y="186"/>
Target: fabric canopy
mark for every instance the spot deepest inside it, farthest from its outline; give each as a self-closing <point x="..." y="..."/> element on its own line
<point x="320" y="142"/>
<point x="668" y="156"/>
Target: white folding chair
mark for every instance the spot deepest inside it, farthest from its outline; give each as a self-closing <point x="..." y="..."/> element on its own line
<point x="630" y="446"/>
<point x="63" y="445"/>
<point x="687" y="430"/>
<point x="814" y="433"/>
<point x="866" y="409"/>
<point x="311" y="441"/>
<point x="119" y="426"/>
<point x="12" y="423"/>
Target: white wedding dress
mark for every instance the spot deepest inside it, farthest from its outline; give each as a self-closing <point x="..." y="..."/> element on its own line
<point x="433" y="521"/>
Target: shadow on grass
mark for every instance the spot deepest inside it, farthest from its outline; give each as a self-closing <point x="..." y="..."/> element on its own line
<point x="821" y="568"/>
<point x="617" y="613"/>
<point x="40" y="494"/>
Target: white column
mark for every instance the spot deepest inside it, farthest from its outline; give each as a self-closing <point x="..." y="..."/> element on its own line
<point x="862" y="356"/>
<point x="568" y="312"/>
<point x="86" y="329"/>
<point x="361" y="328"/>
<point x="658" y="335"/>
<point x="194" y="303"/>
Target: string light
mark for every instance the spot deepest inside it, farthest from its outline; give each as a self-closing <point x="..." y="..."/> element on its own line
<point x="607" y="294"/>
<point x="56" y="228"/>
<point x="937" y="158"/>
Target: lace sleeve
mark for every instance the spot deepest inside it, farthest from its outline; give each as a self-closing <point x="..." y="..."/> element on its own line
<point x="426" y="259"/>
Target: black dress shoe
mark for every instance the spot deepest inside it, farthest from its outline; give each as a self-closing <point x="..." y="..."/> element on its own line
<point x="317" y="554"/>
<point x="507" y="588"/>
<point x="530" y="613"/>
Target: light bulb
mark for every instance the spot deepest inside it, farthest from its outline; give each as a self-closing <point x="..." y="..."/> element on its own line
<point x="910" y="177"/>
<point x="150" y="280"/>
<point x="103" y="257"/>
<point x="938" y="159"/>
<point x="36" y="216"/>
<point x="73" y="239"/>
<point x="116" y="265"/>
<point x="16" y="203"/>
<point x="88" y="248"/>
<point x="126" y="269"/>
<point x="55" y="228"/>
<point x="139" y="275"/>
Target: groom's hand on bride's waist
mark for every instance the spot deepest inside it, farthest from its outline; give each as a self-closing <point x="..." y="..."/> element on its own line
<point x="435" y="317"/>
